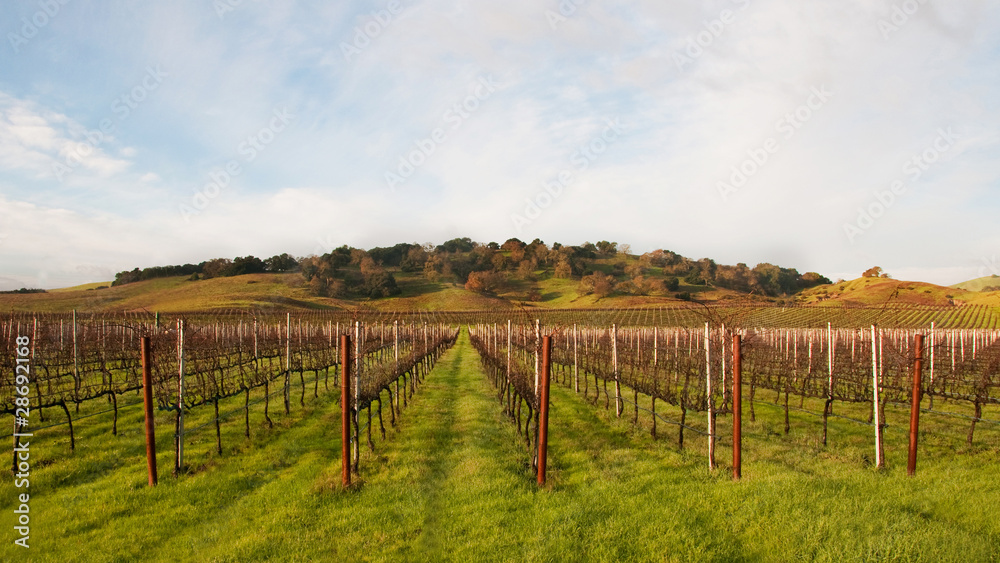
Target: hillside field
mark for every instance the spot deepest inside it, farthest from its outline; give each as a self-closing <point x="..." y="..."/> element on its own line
<point x="289" y="292"/>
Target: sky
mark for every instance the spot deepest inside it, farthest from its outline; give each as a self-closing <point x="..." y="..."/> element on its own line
<point x="827" y="136"/>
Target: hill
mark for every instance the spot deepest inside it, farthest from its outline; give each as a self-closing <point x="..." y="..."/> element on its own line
<point x="979" y="284"/>
<point x="880" y="291"/>
<point x="290" y="291"/>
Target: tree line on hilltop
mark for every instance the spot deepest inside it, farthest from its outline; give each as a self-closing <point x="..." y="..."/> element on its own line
<point x="603" y="268"/>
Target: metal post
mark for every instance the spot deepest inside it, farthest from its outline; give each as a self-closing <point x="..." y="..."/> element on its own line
<point x="911" y="464"/>
<point x="879" y="462"/>
<point x="614" y="361"/>
<point x="345" y="407"/>
<point x="737" y="407"/>
<point x="180" y="396"/>
<point x="576" y="367"/>
<point x="288" y="357"/>
<point x="147" y="387"/>
<point x="543" y="415"/>
<point x="708" y="399"/>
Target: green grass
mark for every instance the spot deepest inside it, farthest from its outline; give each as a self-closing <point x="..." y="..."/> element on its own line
<point x="452" y="482"/>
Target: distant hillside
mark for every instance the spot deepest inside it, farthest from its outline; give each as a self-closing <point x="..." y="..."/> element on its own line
<point x="880" y="291"/>
<point x="459" y="274"/>
<point x="290" y="291"/>
<point x="987" y="283"/>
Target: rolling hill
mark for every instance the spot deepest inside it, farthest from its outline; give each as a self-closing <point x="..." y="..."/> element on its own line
<point x="979" y="284"/>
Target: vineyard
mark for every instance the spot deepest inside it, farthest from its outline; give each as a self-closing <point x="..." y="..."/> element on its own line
<point x="80" y="361"/>
<point x="687" y="369"/>
<point x="223" y="386"/>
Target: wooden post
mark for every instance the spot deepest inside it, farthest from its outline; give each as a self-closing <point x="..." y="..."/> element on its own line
<point x="179" y="466"/>
<point x="576" y="368"/>
<point x="357" y="394"/>
<point x="345" y="408"/>
<point x="931" y="406"/>
<point x="147" y="387"/>
<point x="538" y="345"/>
<point x="395" y="352"/>
<point x="876" y="416"/>
<point x="76" y="367"/>
<point x="288" y="358"/>
<point x="614" y="359"/>
<point x="911" y="464"/>
<point x="708" y="400"/>
<point x="543" y="418"/>
<point x="737" y="407"/>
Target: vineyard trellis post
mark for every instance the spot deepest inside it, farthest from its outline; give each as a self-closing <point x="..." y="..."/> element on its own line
<point x="538" y="345"/>
<point x="876" y="415"/>
<point x="357" y="394"/>
<point x="395" y="349"/>
<point x="345" y="408"/>
<point x="543" y="417"/>
<point x="76" y="366"/>
<point x="931" y="398"/>
<point x="828" y="407"/>
<point x="179" y="434"/>
<point x="576" y="367"/>
<point x="288" y="359"/>
<point x="614" y="359"/>
<point x="507" y="392"/>
<point x="147" y="396"/>
<point x="737" y="407"/>
<point x="911" y="462"/>
<point x="708" y="399"/>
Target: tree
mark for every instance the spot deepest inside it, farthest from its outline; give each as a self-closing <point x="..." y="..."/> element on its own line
<point x="248" y="265"/>
<point x="380" y="284"/>
<point x="432" y="269"/>
<point x="216" y="267"/>
<point x="369" y="267"/>
<point x="456" y="245"/>
<point x="625" y="249"/>
<point x="635" y="269"/>
<point x="414" y="259"/>
<point x="607" y="248"/>
<point x="511" y="244"/>
<point x="499" y="262"/>
<point x="564" y="269"/>
<point x="525" y="270"/>
<point x="597" y="283"/>
<point x="672" y="283"/>
<point x="872" y="272"/>
<point x="484" y="282"/>
<point x="281" y="263"/>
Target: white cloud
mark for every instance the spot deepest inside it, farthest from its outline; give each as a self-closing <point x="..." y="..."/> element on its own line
<point x="323" y="177"/>
<point x="38" y="140"/>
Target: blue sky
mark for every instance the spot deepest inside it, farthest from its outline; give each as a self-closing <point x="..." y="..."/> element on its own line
<point x="829" y="135"/>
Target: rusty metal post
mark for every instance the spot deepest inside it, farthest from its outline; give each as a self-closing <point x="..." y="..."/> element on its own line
<point x="737" y="407"/>
<point x="345" y="407"/>
<point x="543" y="415"/>
<point x="147" y="388"/>
<point x="911" y="464"/>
